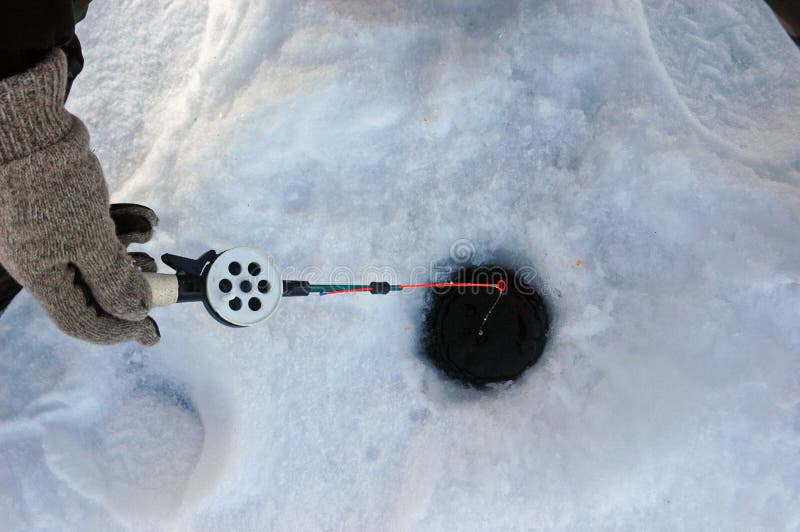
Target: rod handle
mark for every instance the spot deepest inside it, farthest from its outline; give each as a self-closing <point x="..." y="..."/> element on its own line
<point x="164" y="288"/>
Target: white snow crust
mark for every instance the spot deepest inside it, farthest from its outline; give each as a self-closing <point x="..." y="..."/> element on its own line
<point x="641" y="158"/>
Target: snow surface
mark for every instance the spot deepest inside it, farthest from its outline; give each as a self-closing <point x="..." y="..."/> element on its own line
<point x="641" y="159"/>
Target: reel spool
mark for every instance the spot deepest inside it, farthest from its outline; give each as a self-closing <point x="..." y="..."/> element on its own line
<point x="242" y="287"/>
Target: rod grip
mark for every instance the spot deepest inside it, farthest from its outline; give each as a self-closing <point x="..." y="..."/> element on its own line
<point x="164" y="288"/>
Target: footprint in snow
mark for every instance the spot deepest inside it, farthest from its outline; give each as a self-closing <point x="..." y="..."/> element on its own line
<point x="137" y="461"/>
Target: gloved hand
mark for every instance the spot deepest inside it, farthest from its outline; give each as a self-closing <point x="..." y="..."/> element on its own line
<point x="57" y="237"/>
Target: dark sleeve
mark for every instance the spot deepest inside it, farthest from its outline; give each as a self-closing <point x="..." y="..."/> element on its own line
<point x="30" y="28"/>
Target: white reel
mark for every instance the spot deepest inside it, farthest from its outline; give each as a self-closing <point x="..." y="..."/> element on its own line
<point x="243" y="286"/>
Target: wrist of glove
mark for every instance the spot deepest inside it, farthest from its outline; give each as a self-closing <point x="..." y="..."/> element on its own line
<point x="59" y="238"/>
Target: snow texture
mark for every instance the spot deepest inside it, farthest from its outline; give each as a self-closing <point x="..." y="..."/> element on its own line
<point x="640" y="159"/>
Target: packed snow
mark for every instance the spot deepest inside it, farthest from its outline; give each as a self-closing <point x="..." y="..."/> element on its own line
<point x="640" y="159"/>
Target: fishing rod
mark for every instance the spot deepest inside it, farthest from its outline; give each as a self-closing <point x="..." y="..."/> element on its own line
<point x="241" y="287"/>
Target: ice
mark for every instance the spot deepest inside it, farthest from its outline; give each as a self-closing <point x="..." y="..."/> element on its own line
<point x="641" y="159"/>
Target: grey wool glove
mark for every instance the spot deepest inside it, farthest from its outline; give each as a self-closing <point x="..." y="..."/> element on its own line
<point x="57" y="235"/>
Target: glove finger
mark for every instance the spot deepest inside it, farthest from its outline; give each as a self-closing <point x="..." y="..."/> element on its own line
<point x="71" y="308"/>
<point x="133" y="223"/>
<point x="115" y="284"/>
<point x="143" y="262"/>
<point x="9" y="288"/>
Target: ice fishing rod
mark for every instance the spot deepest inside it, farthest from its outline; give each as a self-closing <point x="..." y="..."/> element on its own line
<point x="241" y="286"/>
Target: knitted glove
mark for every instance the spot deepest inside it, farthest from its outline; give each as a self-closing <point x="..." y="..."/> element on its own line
<point x="56" y="235"/>
<point x="134" y="224"/>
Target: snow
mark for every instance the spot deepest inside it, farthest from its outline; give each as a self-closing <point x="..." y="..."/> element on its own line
<point x="640" y="160"/>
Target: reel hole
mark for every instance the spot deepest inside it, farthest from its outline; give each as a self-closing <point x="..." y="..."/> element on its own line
<point x="235" y="268"/>
<point x="263" y="286"/>
<point x="254" y="304"/>
<point x="254" y="268"/>
<point x="235" y="303"/>
<point x="225" y="285"/>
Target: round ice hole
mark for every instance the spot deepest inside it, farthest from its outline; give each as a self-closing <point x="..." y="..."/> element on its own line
<point x="235" y="303"/>
<point x="263" y="286"/>
<point x="254" y="268"/>
<point x="246" y="286"/>
<point x="225" y="285"/>
<point x="235" y="268"/>
<point x="477" y="352"/>
<point x="254" y="304"/>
